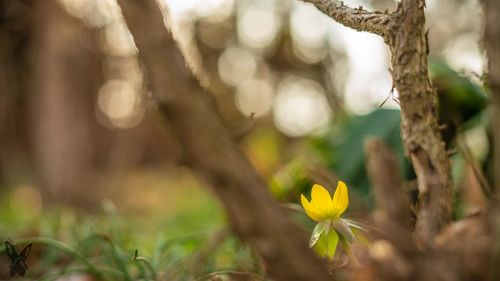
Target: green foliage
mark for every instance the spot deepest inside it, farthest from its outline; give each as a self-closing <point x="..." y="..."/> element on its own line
<point x="290" y="181"/>
<point x="456" y="90"/>
<point x="342" y="148"/>
<point x="460" y="99"/>
<point x="116" y="247"/>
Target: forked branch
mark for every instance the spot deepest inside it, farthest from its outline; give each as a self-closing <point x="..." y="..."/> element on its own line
<point x="404" y="32"/>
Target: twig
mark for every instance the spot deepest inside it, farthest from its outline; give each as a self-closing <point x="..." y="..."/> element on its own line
<point x="390" y="95"/>
<point x="359" y="19"/>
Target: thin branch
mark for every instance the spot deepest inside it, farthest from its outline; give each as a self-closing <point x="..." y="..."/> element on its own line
<point x="355" y="18"/>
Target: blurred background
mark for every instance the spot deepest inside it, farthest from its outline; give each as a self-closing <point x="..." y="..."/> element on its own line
<point x="83" y="149"/>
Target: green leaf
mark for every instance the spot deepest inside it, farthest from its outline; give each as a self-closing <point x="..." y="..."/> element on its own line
<point x="333" y="239"/>
<point x="327" y="244"/>
<point x="316" y="234"/>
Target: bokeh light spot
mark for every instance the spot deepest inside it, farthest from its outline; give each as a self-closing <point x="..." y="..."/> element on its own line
<point x="255" y="96"/>
<point x="464" y="53"/>
<point x="94" y="13"/>
<point x="120" y="103"/>
<point x="308" y="27"/>
<point x="300" y="107"/>
<point x="236" y="65"/>
<point x="257" y="27"/>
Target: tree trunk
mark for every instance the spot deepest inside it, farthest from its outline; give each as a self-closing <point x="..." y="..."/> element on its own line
<point x="15" y="36"/>
<point x="407" y="40"/>
<point x="63" y="95"/>
<point x="209" y="149"/>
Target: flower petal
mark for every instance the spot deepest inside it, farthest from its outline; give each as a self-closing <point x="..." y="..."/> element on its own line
<point x="310" y="209"/>
<point x="321" y="200"/>
<point x="340" y="199"/>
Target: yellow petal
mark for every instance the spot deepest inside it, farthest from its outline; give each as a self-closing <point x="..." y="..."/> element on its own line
<point x="321" y="201"/>
<point x="340" y="199"/>
<point x="309" y="208"/>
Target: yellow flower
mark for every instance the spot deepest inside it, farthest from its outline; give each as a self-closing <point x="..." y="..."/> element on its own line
<point x="331" y="228"/>
<point x="322" y="207"/>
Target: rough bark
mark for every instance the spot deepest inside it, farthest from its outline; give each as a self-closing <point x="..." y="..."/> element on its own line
<point x="404" y="32"/>
<point x="356" y="18"/>
<point x="209" y="149"/>
<point x="423" y="144"/>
